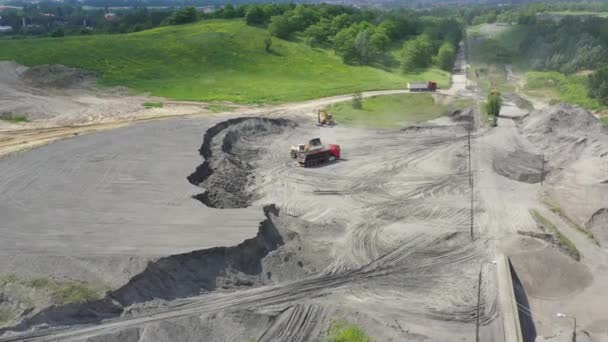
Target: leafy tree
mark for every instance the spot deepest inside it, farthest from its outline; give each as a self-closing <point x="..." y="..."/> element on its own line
<point x="280" y="26"/>
<point x="301" y="17"/>
<point x="360" y="43"/>
<point x="255" y="15"/>
<point x="598" y="85"/>
<point x="493" y="105"/>
<point x="379" y="41"/>
<point x="183" y="16"/>
<point x="364" y="51"/>
<point x="319" y="33"/>
<point x="417" y="53"/>
<point x="344" y="44"/>
<point x="446" y="56"/>
<point x="340" y="22"/>
<point x="229" y="11"/>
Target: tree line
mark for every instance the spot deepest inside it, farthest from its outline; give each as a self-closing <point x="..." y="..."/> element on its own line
<point x="365" y="36"/>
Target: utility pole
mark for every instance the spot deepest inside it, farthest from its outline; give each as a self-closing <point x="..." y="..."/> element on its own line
<point x="542" y="170"/>
<point x="478" y="304"/>
<point x="471" y="182"/>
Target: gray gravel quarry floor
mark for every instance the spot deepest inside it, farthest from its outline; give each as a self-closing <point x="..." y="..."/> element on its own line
<point x="118" y="197"/>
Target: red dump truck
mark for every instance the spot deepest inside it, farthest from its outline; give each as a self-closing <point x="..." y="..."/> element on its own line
<point x="315" y="153"/>
<point x="422" y="86"/>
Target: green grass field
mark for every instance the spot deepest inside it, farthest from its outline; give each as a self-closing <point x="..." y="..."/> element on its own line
<point x="211" y="60"/>
<point x="391" y="110"/>
<point x="555" y="85"/>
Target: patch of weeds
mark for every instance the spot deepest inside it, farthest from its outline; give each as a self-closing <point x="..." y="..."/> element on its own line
<point x="6" y="316"/>
<point x="218" y="108"/>
<point x="604" y="120"/>
<point x="39" y="283"/>
<point x="73" y="292"/>
<point x="557" y="209"/>
<point x="153" y="104"/>
<point x="8" y="279"/>
<point x="61" y="292"/>
<point x="13" y="118"/>
<point x="563" y="242"/>
<point x="340" y="331"/>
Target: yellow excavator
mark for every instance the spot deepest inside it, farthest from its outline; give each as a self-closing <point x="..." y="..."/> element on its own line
<point x="324" y="118"/>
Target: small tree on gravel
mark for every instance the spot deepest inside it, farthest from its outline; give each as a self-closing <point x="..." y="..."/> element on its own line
<point x="357" y="100"/>
<point x="493" y="105"/>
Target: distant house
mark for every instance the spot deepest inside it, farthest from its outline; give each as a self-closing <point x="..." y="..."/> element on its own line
<point x="110" y="17"/>
<point x="207" y="9"/>
<point x="5" y="29"/>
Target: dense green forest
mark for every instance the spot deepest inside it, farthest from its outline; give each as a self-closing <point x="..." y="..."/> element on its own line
<point x="562" y="47"/>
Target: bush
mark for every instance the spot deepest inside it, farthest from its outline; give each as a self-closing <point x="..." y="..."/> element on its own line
<point x="598" y="85"/>
<point x="268" y="44"/>
<point x="58" y="33"/>
<point x="341" y="332"/>
<point x="357" y="100"/>
<point x="183" y="16"/>
<point x="493" y="105"/>
<point x="255" y="16"/>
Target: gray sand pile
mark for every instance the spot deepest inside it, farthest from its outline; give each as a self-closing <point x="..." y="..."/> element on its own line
<point x="58" y="76"/>
<point x="598" y="224"/>
<point x="575" y="147"/>
<point x="519" y="165"/>
<point x="57" y="94"/>
<point x="229" y="148"/>
<point x="565" y="133"/>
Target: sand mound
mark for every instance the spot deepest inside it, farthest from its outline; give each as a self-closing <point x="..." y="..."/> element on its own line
<point x="229" y="149"/>
<point x="565" y="133"/>
<point x="57" y="76"/>
<point x="178" y="276"/>
<point x="547" y="273"/>
<point x="598" y="224"/>
<point x="62" y="95"/>
<point x="519" y="165"/>
<point x="277" y="253"/>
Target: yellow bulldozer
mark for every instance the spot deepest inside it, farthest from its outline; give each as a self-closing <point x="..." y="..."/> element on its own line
<point x="324" y="118"/>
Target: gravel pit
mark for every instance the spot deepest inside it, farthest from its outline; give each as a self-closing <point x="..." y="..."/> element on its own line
<point x="229" y="150"/>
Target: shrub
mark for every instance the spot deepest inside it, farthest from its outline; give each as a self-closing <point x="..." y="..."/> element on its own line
<point x="357" y="100"/>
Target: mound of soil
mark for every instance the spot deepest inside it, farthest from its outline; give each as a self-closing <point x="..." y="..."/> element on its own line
<point x="230" y="148"/>
<point x="548" y="273"/>
<point x="57" y="76"/>
<point x="598" y="224"/>
<point x="565" y="133"/>
<point x="178" y="276"/>
<point x="519" y="165"/>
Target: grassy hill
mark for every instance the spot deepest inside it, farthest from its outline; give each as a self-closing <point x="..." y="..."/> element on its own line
<point x="210" y="60"/>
